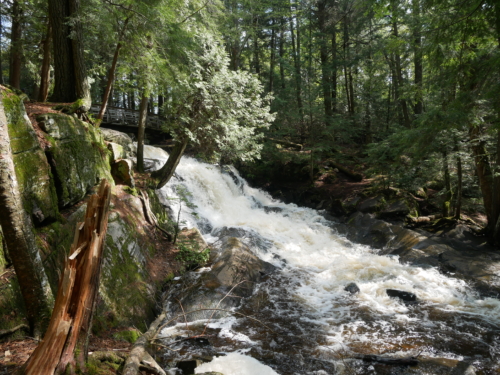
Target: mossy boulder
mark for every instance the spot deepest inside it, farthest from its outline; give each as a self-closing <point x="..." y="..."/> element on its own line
<point x="78" y="155"/>
<point x="32" y="169"/>
<point x="126" y="293"/>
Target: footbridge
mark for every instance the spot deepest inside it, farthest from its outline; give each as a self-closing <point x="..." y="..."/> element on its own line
<point x="127" y="117"/>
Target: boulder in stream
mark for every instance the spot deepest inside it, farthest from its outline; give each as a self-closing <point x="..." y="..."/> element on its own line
<point x="402" y="295"/>
<point x="352" y="288"/>
<point x="205" y="294"/>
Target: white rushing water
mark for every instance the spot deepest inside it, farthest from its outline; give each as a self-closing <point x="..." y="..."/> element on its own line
<point x="321" y="263"/>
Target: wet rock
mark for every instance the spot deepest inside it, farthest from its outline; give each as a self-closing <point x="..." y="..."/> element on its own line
<point x="188" y="367"/>
<point x="350" y="206"/>
<point x="396" y="208"/>
<point x="352" y="288"/>
<point x="249" y="237"/>
<point x="464" y="368"/>
<point x="402" y="295"/>
<point x="372" y="205"/>
<point x="269" y="209"/>
<point x="235" y="269"/>
<point x="123" y="171"/>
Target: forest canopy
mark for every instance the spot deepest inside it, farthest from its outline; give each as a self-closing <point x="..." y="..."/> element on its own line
<point x="414" y="85"/>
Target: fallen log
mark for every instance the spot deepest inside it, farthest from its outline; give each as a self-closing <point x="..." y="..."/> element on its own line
<point x="357" y="177"/>
<point x="139" y="359"/>
<point x="64" y="346"/>
<point x="295" y="146"/>
<point x="8" y="332"/>
<point x="422" y="219"/>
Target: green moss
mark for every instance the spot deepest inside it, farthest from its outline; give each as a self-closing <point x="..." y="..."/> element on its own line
<point x="81" y="158"/>
<point x="32" y="169"/>
<point x="129" y="335"/>
<point x="131" y="190"/>
<point x="12" y="309"/>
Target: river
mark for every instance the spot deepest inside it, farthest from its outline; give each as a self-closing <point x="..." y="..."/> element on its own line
<point x="306" y="322"/>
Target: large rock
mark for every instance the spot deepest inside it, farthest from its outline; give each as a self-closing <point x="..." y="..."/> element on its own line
<point x="78" y="156"/>
<point x="456" y="251"/>
<point x="235" y="266"/>
<point x="396" y="208"/>
<point x="120" y="138"/>
<point x="123" y="172"/>
<point x="32" y="169"/>
<point x="117" y="151"/>
<point x="127" y="295"/>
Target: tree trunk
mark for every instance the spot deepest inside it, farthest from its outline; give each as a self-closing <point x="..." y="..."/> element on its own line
<point x="296" y="61"/>
<point x="256" y="46"/>
<point x="167" y="171"/>
<point x="161" y="102"/>
<point x="483" y="172"/>
<point x="45" y="70"/>
<point x="397" y="68"/>
<point x="273" y="53"/>
<point x="447" y="185"/>
<point x="70" y="81"/>
<point x="458" y="204"/>
<point x="16" y="45"/>
<point x="20" y="240"/>
<point x="282" y="53"/>
<point x="143" y="115"/>
<point x="418" y="58"/>
<point x="112" y="69"/>
<point x="64" y="348"/>
<point x="334" y="69"/>
<point x="325" y="64"/>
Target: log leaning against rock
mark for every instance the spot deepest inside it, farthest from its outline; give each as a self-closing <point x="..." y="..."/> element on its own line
<point x="64" y="346"/>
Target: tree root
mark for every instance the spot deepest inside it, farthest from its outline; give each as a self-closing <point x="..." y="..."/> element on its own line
<point x="151" y="217"/>
<point x="139" y="359"/>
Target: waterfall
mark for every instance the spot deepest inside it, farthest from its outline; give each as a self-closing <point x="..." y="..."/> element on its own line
<point x="307" y="297"/>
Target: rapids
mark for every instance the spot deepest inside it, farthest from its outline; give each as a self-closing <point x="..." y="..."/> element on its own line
<point x="310" y="324"/>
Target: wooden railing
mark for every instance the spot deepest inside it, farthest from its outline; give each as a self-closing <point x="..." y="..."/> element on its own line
<point x="127" y="117"/>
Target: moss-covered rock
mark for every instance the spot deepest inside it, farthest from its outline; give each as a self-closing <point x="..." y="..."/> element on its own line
<point x="78" y="156"/>
<point x="126" y="293"/>
<point x="32" y="169"/>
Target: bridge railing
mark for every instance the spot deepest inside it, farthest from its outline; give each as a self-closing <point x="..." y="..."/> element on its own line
<point x="128" y="117"/>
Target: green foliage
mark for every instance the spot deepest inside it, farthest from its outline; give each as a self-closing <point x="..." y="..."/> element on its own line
<point x="222" y="111"/>
<point x="191" y="256"/>
<point x="130" y="190"/>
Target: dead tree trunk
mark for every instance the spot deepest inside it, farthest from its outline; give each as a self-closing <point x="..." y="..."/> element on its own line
<point x="64" y="346"/>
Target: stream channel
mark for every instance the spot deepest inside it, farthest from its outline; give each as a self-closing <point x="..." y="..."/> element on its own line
<point x="298" y="318"/>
